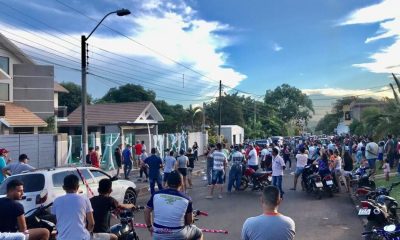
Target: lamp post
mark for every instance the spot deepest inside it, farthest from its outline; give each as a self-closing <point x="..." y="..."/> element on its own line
<point x="121" y="12"/>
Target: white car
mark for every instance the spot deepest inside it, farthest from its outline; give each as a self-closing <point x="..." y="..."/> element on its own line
<point x="51" y="181"/>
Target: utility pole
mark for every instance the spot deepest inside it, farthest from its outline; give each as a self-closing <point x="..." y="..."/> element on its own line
<point x="203" y="126"/>
<point x="84" y="97"/>
<point x="220" y="115"/>
<point x="255" y="109"/>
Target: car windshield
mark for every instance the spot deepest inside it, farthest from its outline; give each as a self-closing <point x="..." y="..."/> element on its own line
<point x="32" y="182"/>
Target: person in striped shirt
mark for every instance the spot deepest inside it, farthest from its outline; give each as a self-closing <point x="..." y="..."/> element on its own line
<point x="219" y="166"/>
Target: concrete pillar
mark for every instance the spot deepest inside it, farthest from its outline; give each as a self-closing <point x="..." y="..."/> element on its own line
<point x="61" y="149"/>
<point x="97" y="141"/>
<point x="35" y="130"/>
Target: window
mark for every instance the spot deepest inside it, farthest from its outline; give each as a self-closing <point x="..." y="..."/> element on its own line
<point x="99" y="175"/>
<point x="58" y="178"/>
<point x="87" y="176"/>
<point x="4" y="92"/>
<point x="32" y="182"/>
<point x="5" y="64"/>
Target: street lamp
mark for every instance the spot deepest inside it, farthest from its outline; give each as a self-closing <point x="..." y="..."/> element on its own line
<point x="121" y="12"/>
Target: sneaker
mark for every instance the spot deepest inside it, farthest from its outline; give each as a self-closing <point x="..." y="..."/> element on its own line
<point x="220" y="196"/>
<point x="209" y="197"/>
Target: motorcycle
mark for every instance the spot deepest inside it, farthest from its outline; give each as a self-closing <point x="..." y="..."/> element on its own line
<point x="40" y="218"/>
<point x="258" y="180"/>
<point x="329" y="185"/>
<point x="388" y="232"/>
<point x="311" y="180"/>
<point x="367" y="193"/>
<point x="378" y="213"/>
<point x="125" y="230"/>
<point x="361" y="178"/>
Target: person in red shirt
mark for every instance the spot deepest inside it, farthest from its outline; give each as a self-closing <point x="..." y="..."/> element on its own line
<point x="258" y="149"/>
<point x="138" y="153"/>
<point x="94" y="158"/>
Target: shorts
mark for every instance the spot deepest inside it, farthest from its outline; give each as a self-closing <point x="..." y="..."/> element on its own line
<point x="166" y="175"/>
<point x="12" y="236"/>
<point x="100" y="236"/>
<point x="119" y="163"/>
<point x="380" y="156"/>
<point x="189" y="172"/>
<point x="299" y="170"/>
<point x="188" y="232"/>
<point x="183" y="171"/>
<point x="217" y="177"/>
<point x="371" y="162"/>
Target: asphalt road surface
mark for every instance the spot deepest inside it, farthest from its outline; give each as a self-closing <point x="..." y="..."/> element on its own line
<point x="327" y="219"/>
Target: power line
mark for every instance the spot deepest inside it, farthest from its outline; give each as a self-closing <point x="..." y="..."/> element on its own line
<point x="72" y="37"/>
<point x="137" y="42"/>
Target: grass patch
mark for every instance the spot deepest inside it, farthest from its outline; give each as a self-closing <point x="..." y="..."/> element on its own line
<point x="395" y="193"/>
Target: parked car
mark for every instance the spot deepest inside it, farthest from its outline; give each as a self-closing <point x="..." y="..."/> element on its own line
<point x="277" y="140"/>
<point x="262" y="142"/>
<point x="52" y="180"/>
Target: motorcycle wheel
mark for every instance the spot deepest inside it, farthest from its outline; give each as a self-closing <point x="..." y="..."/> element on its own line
<point x="317" y="193"/>
<point x="244" y="183"/>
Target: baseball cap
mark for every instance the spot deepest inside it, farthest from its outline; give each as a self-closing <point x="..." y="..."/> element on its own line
<point x="23" y="157"/>
<point x="3" y="150"/>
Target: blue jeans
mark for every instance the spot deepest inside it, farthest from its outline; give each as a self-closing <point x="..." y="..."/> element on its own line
<point x="153" y="181"/>
<point x="127" y="169"/>
<point x="235" y="175"/>
<point x="209" y="174"/>
<point x="277" y="182"/>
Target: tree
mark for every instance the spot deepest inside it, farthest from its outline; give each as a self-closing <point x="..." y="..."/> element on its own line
<point x="72" y="99"/>
<point x="290" y="103"/>
<point x="328" y="123"/>
<point x="128" y="93"/>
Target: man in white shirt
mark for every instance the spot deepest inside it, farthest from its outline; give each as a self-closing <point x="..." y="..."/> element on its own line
<point x="301" y="162"/>
<point x="371" y="153"/>
<point x="278" y="165"/>
<point x="263" y="156"/>
<point x="74" y="212"/>
<point x="219" y="166"/>
<point x="252" y="161"/>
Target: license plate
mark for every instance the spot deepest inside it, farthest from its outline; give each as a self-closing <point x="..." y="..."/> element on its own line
<point x="319" y="184"/>
<point x="364" y="212"/>
<point x="329" y="182"/>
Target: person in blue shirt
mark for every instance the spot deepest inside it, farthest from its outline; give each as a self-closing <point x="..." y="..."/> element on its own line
<point x="127" y="156"/>
<point x="154" y="164"/>
<point x="3" y="163"/>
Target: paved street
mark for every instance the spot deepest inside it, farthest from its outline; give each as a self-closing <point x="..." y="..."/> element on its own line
<point x="328" y="219"/>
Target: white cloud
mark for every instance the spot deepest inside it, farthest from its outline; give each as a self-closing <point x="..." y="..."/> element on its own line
<point x="387" y="14"/>
<point x="169" y="27"/>
<point x="276" y="47"/>
<point x="340" y="92"/>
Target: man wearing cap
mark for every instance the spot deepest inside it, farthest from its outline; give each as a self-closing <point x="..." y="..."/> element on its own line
<point x="19" y="167"/>
<point x="3" y="160"/>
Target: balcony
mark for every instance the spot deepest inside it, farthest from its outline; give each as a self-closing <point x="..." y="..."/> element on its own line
<point x="61" y="113"/>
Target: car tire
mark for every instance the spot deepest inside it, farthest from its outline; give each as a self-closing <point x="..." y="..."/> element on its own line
<point x="130" y="197"/>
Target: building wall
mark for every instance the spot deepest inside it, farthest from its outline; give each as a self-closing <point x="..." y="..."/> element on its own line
<point x="34" y="88"/>
<point x="12" y="59"/>
<point x="233" y="130"/>
<point x="227" y="133"/>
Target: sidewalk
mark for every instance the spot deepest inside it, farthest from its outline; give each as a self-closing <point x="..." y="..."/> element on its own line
<point x="142" y="188"/>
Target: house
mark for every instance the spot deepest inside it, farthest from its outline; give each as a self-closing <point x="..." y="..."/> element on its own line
<point x="27" y="90"/>
<point x="356" y="108"/>
<point x="139" y="118"/>
<point x="234" y="134"/>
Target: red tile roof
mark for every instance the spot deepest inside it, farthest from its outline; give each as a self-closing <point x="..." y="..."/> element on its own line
<point x="18" y="116"/>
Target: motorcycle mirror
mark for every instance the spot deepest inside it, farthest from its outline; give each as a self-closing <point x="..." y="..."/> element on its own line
<point x="390" y="228"/>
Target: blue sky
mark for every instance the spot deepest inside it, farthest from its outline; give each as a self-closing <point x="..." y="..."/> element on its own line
<point x="326" y="48"/>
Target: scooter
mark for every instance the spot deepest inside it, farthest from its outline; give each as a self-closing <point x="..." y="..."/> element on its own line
<point x="125" y="230"/>
<point x="258" y="180"/>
